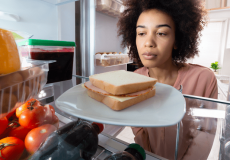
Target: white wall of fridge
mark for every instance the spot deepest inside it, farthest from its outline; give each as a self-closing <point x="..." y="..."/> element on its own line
<point x="37" y="18"/>
<point x="106" y="40"/>
<point x="42" y="20"/>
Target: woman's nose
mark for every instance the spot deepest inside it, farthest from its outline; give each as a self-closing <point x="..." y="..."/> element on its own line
<point x="150" y="42"/>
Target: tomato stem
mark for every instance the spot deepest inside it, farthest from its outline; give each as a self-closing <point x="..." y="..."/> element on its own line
<point x="13" y="124"/>
<point x="30" y="108"/>
<point x="32" y="103"/>
<point x="4" y="145"/>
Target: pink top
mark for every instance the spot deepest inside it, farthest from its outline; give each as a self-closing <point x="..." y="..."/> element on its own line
<point x="196" y="80"/>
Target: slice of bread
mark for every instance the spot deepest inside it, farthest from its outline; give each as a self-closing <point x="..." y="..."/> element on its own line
<point x="116" y="104"/>
<point x="122" y="82"/>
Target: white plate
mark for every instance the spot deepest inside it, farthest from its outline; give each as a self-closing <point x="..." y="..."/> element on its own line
<point x="166" y="108"/>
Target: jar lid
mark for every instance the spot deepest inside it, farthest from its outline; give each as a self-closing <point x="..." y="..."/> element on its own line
<point x="138" y="148"/>
<point x="41" y="42"/>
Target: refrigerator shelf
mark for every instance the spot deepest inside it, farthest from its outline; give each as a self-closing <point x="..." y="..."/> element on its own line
<point x="21" y="85"/>
<point x="59" y="2"/>
<point x="109" y="59"/>
<point x="116" y="64"/>
<point x="109" y="7"/>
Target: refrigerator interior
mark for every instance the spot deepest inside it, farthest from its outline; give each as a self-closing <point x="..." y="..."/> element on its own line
<point x="106" y="40"/>
<point x="56" y="20"/>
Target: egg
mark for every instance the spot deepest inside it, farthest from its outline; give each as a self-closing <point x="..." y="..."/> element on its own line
<point x="8" y="102"/>
<point x="38" y="85"/>
<point x="25" y="93"/>
<point x="11" y="82"/>
<point x="34" y="85"/>
<point x="31" y="73"/>
<point x="25" y="74"/>
<point x="28" y="93"/>
<point x="35" y="71"/>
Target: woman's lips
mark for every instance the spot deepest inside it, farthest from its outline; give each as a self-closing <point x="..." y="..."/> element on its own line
<point x="149" y="56"/>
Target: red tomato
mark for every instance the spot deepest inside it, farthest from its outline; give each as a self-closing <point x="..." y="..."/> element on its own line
<point x="4" y="124"/>
<point x="30" y="103"/>
<point x="55" y="121"/>
<point x="37" y="136"/>
<point x="50" y="107"/>
<point x="10" y="126"/>
<point x="32" y="117"/>
<point x="48" y="118"/>
<point x="19" y="132"/>
<point x="11" y="113"/>
<point x="11" y="148"/>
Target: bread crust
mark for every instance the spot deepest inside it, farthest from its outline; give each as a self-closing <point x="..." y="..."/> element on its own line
<point x="122" y="89"/>
<point x="116" y="104"/>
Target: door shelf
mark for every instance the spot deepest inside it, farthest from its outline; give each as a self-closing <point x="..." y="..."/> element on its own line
<point x="59" y="2"/>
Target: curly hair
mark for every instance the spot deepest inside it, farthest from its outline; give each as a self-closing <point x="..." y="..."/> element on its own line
<point x="189" y="17"/>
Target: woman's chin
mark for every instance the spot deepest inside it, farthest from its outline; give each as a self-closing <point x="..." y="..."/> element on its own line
<point x="149" y="65"/>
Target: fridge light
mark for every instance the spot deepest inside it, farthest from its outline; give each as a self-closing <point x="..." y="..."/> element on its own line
<point x="9" y="16"/>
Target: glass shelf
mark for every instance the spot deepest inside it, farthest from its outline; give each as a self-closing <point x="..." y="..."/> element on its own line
<point x="59" y="2"/>
<point x="208" y="120"/>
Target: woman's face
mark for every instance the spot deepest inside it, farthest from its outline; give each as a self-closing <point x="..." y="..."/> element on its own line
<point x="155" y="38"/>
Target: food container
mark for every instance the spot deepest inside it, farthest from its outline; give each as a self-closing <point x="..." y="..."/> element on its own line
<point x="118" y="9"/>
<point x="107" y="59"/>
<point x="21" y="85"/>
<point x="118" y="58"/>
<point x="103" y="5"/>
<point x="113" y="8"/>
<point x="61" y="51"/>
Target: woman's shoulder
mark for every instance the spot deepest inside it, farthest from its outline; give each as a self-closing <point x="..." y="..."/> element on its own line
<point x="143" y="71"/>
<point x="198" y="80"/>
<point x="195" y="69"/>
<point x="197" y="75"/>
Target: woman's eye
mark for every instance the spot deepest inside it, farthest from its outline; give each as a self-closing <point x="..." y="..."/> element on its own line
<point x="161" y="34"/>
<point x="140" y="34"/>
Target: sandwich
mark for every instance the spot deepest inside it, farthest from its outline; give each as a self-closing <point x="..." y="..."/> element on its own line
<point x="120" y="89"/>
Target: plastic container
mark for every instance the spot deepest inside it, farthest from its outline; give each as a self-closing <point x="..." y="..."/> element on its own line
<point x="109" y="7"/>
<point x="132" y="152"/>
<point x="113" y="8"/>
<point x="75" y="140"/>
<point x="61" y="51"/>
<point x="107" y="59"/>
<point x="103" y="5"/>
<point x="118" y="58"/>
<point x="21" y="85"/>
<point x="118" y="9"/>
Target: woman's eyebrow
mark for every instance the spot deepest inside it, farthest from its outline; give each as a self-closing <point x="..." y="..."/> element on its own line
<point x="163" y="25"/>
<point x="158" y="26"/>
<point x="140" y="26"/>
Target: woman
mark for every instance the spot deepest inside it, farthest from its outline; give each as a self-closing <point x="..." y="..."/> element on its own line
<point x="161" y="35"/>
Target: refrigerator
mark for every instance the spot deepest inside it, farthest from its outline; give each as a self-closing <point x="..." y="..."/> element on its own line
<point x="96" y="31"/>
